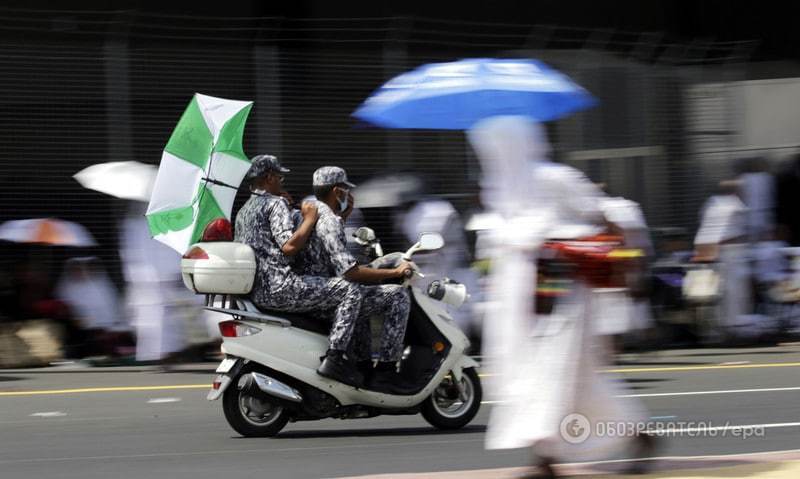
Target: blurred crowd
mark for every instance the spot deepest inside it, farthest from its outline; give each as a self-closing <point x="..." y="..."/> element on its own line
<point x="736" y="279"/>
<point x="59" y="305"/>
<point x="739" y="282"/>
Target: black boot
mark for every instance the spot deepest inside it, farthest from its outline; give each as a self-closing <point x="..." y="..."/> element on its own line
<point x="386" y="380"/>
<point x="335" y="366"/>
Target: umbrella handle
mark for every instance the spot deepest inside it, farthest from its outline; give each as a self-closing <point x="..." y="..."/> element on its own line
<point x="220" y="183"/>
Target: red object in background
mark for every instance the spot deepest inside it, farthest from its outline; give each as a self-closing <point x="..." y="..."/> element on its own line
<point x="50" y="308"/>
<point x="218" y="230"/>
<point x="592" y="257"/>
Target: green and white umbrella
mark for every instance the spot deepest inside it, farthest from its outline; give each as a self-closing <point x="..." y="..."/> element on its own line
<point x="201" y="169"/>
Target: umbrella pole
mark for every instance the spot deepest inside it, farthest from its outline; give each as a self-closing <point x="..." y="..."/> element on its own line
<point x="220" y="183"/>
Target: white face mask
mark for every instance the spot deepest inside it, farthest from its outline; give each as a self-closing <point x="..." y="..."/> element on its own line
<point x="344" y="203"/>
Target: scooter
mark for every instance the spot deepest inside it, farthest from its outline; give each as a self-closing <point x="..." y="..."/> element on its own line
<point x="268" y="377"/>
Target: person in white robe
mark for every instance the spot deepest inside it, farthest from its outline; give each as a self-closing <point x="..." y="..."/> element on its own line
<point x="624" y="309"/>
<point x="94" y="302"/>
<point x="155" y="295"/>
<point x="542" y="368"/>
<point x="722" y="239"/>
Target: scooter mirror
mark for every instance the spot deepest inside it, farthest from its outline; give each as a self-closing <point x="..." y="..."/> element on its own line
<point x="430" y="241"/>
<point x="364" y="235"/>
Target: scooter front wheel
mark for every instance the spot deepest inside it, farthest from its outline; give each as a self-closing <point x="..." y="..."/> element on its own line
<point x="447" y="408"/>
<point x="252" y="413"/>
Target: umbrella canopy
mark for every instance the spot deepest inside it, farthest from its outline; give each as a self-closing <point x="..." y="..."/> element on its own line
<point x="46" y="231"/>
<point x="201" y="169"/>
<point x="457" y="95"/>
<point x="129" y="180"/>
<point x="387" y="190"/>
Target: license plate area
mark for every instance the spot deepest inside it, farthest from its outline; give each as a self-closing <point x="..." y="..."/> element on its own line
<point x="226" y="365"/>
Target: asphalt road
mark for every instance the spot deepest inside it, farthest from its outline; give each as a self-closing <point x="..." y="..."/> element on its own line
<point x="137" y="423"/>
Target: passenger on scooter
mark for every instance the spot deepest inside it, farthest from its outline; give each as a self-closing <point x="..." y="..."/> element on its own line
<point x="327" y="255"/>
<point x="264" y="223"/>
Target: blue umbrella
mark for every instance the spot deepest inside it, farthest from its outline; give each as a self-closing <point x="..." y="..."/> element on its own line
<point x="456" y="95"/>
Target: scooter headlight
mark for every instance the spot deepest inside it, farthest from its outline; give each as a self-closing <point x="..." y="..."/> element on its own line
<point x="448" y="291"/>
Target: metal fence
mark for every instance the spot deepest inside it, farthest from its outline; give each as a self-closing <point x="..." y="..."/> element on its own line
<point x="78" y="88"/>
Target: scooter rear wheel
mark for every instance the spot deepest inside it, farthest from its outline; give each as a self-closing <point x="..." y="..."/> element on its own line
<point x="445" y="409"/>
<point x="252" y="413"/>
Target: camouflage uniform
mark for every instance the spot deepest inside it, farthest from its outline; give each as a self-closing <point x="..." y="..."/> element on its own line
<point x="326" y="255"/>
<point x="264" y="223"/>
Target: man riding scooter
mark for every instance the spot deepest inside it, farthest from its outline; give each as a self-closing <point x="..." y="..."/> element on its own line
<point x="327" y="255"/>
<point x="264" y="223"/>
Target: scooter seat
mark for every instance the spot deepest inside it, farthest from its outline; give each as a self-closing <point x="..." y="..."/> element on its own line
<point x="313" y="322"/>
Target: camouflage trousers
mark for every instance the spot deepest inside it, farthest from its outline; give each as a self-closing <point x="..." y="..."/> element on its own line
<point x="391" y="302"/>
<point x="302" y="294"/>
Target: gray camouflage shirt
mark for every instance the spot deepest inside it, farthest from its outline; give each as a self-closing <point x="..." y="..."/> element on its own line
<point x="326" y="252"/>
<point x="264" y="223"/>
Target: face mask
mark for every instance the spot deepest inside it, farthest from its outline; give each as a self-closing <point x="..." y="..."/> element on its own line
<point x="343" y="203"/>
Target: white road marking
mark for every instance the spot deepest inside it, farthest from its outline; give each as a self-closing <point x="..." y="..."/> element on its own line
<point x="49" y="414"/>
<point x="700" y="393"/>
<point x="692" y="393"/>
<point x="163" y="400"/>
<point x="727" y="428"/>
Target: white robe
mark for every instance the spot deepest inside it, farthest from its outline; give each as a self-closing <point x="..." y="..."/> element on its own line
<point x="542" y="368"/>
<point x="758" y="191"/>
<point x="155" y="295"/>
<point x="617" y="312"/>
<point x="93" y="298"/>
<point x="724" y="223"/>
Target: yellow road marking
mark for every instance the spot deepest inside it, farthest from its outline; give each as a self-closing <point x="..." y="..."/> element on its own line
<point x="44" y="392"/>
<point x="701" y="368"/>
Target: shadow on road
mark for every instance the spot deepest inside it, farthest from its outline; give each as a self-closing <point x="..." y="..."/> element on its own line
<point x="401" y="431"/>
<point x="661" y="363"/>
<point x="637" y="384"/>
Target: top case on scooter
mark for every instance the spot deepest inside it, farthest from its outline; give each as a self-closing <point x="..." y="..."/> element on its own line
<point x="223" y="267"/>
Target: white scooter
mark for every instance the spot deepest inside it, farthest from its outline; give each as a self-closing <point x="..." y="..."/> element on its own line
<point x="268" y="376"/>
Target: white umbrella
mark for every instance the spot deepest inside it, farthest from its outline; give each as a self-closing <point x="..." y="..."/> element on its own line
<point x="387" y="190"/>
<point x="46" y="231"/>
<point x="130" y="180"/>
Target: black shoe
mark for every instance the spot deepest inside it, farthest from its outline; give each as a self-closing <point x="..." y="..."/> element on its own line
<point x="335" y="366"/>
<point x="542" y="469"/>
<point x="645" y="447"/>
<point x="365" y="367"/>
<point x="385" y="379"/>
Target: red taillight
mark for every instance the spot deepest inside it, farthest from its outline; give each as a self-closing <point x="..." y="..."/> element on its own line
<point x="228" y="329"/>
<point x="196" y="253"/>
<point x="235" y="329"/>
<point x="218" y="230"/>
